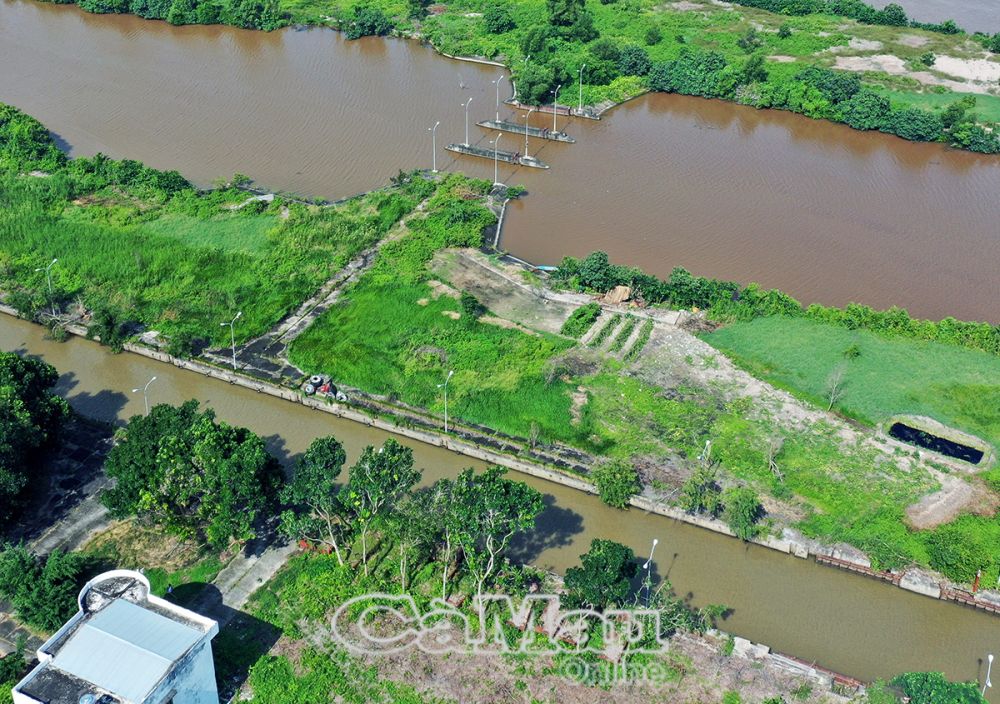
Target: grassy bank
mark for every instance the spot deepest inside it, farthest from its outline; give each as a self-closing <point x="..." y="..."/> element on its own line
<point x="155" y="253"/>
<point x="882" y="376"/>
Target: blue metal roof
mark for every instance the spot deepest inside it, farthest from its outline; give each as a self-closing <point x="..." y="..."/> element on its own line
<point x="125" y="649"/>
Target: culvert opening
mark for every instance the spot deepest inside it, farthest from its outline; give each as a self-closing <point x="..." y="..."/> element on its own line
<point x="915" y="436"/>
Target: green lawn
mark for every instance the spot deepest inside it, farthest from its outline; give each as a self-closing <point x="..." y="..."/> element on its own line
<point x="957" y="386"/>
<point x="182" y="265"/>
<point x="233" y="232"/>
<point x="987" y="106"/>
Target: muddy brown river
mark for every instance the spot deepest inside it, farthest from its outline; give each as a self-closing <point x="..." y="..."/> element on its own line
<point x="824" y="212"/>
<point x="858" y="626"/>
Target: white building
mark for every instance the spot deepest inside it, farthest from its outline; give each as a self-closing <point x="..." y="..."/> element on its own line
<point x="125" y="646"/>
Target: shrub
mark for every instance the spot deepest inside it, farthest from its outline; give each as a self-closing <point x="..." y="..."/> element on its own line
<point x="933" y="688"/>
<point x="471" y="307"/>
<point x="742" y="511"/>
<point x="784" y="31"/>
<point x="634" y="61"/>
<point x="866" y="110"/>
<point x="700" y="493"/>
<point x="654" y="36"/>
<point x="616" y="482"/>
<point x="43" y="591"/>
<point x="958" y="552"/>
<point x="581" y="320"/>
<point x="928" y="58"/>
<point x="368" y="21"/>
<point x="497" y="19"/>
<point x="750" y="41"/>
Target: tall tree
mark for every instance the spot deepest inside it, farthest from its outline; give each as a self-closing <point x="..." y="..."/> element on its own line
<point x="181" y="468"/>
<point x="30" y="418"/>
<point x="415" y="529"/>
<point x="490" y="510"/>
<point x="317" y="512"/>
<point x="379" y="481"/>
<point x="603" y="579"/>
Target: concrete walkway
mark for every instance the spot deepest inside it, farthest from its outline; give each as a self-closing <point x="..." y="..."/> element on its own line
<point x="234" y="585"/>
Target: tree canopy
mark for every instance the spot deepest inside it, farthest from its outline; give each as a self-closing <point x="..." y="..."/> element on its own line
<point x="30" y="418"/>
<point x="181" y="468"/>
<point x="603" y="579"/>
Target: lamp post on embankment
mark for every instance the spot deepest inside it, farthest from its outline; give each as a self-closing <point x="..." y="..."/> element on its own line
<point x="48" y="280"/>
<point x="434" y="144"/>
<point x="555" y="105"/>
<point x="497" y="84"/>
<point x="526" y="131"/>
<point x="648" y="582"/>
<point x="232" y="334"/>
<point x="467" y="121"/>
<point x="145" y="394"/>
<point x="445" y="387"/>
<point x="496" y="159"/>
<point x="989" y="669"/>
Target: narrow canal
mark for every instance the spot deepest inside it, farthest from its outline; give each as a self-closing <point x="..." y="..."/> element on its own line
<point x="848" y="623"/>
<point x="824" y="212"/>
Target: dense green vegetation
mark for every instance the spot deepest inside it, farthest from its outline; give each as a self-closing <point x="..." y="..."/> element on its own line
<point x="42" y="590"/>
<point x="144" y="249"/>
<point x="581" y="320"/>
<point x="728" y="301"/>
<point x="882" y="377"/>
<point x="13" y="666"/>
<point x="30" y="420"/>
<point x="933" y="688"/>
<point x="180" y="468"/>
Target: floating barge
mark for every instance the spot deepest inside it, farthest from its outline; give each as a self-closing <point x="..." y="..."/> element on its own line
<point x="538" y="132"/>
<point x="506" y="157"/>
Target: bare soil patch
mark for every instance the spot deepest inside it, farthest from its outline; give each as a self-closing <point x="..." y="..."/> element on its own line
<point x="955" y="497"/>
<point x="911" y="40"/>
<point x="504" y="323"/>
<point x="136" y="545"/>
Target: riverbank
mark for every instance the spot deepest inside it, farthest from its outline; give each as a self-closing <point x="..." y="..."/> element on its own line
<point x="736" y="53"/>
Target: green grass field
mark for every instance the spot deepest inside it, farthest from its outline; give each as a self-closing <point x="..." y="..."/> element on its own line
<point x="232" y="232"/>
<point x="959" y="387"/>
<point x="185" y="264"/>
<point x="987" y="106"/>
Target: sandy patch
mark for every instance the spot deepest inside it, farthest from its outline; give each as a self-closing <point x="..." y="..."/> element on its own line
<point x="439" y="288"/>
<point x="782" y="59"/>
<point x="911" y="40"/>
<point x="453" y="314"/>
<point x="968" y="69"/>
<point x="423" y="301"/>
<point x="895" y="66"/>
<point x="504" y="323"/>
<point x="864" y="44"/>
<point x="886" y="63"/>
<point x="685" y="5"/>
<point x="953" y="498"/>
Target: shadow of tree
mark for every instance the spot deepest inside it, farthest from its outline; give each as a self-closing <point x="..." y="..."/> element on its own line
<point x="554" y="528"/>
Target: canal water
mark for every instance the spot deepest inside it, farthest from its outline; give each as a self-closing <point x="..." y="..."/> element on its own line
<point x="858" y="626"/>
<point x="824" y="212"/>
<point x="970" y="15"/>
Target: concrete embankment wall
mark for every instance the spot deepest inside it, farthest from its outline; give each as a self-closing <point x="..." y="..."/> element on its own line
<point x="917" y="581"/>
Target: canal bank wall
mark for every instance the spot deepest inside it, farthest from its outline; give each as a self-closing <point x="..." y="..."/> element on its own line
<point x="915" y="580"/>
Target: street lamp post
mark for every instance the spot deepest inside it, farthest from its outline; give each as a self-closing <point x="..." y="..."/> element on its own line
<point x="48" y="279"/>
<point x="445" y="387"/>
<point x="581" y="88"/>
<point x="496" y="159"/>
<point x="232" y="334"/>
<point x="467" y="121"/>
<point x="989" y="668"/>
<point x="526" y="130"/>
<point x="433" y="130"/>
<point x="145" y="394"/>
<point x="648" y="582"/>
<point x="555" y="105"/>
<point x="497" y="83"/>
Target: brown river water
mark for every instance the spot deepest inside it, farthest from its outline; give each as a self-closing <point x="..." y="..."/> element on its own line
<point x="858" y="626"/>
<point x="824" y="212"/>
<point x="970" y="15"/>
